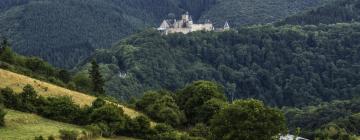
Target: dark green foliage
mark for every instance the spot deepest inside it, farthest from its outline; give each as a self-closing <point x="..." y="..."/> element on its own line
<point x="247" y="119"/>
<point x="96" y="79"/>
<point x="27" y="99"/>
<point x="98" y="103"/>
<point x="9" y="98"/>
<point x="6" y="54"/>
<point x="316" y="120"/>
<point x="67" y="32"/>
<point x="282" y="66"/>
<point x="201" y="130"/>
<point x="161" y="107"/>
<point x="51" y="138"/>
<point x="68" y="134"/>
<point x="108" y="114"/>
<point x="31" y="66"/>
<point x="193" y="99"/>
<point x="138" y="127"/>
<point x="240" y="12"/>
<point x="335" y="12"/>
<point x="2" y="116"/>
<point x="64" y="76"/>
<point x="39" y="138"/>
<point x="62" y="109"/>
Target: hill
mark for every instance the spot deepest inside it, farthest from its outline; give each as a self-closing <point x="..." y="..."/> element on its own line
<point x="73" y="29"/>
<point x="17" y="82"/>
<point x="288" y="65"/>
<point x="331" y="13"/>
<point x="247" y="12"/>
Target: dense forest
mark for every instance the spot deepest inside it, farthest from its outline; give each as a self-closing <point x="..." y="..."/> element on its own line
<point x="72" y="29"/>
<point x="335" y="12"/>
<point x="282" y="66"/>
<point x="332" y="120"/>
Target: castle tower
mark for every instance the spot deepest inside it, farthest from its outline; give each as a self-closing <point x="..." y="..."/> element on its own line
<point x="185" y="17"/>
<point x="226" y="26"/>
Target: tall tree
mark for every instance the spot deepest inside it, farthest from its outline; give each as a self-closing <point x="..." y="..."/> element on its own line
<point x="6" y="53"/>
<point x="96" y="78"/>
<point x="247" y="120"/>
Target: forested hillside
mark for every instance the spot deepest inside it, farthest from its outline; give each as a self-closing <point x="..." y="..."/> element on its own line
<point x="245" y="12"/>
<point x="338" y="11"/>
<point x="72" y="29"/>
<point x="289" y="65"/>
<point x="333" y="120"/>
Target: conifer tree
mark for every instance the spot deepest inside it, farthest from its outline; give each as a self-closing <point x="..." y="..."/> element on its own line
<point x="96" y="78"/>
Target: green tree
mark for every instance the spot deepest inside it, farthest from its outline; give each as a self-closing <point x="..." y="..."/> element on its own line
<point x="68" y="134"/>
<point x="194" y="96"/>
<point x="110" y="117"/>
<point x="28" y="99"/>
<point x="247" y="120"/>
<point x="96" y="79"/>
<point x="6" y="54"/>
<point x="64" y="76"/>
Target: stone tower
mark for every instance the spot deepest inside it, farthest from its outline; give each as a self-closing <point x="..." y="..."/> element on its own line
<point x="226" y="26"/>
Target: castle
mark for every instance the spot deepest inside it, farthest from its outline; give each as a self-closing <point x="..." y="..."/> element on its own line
<point x="186" y="25"/>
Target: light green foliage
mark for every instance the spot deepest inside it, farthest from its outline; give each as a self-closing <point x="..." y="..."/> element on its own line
<point x="247" y="119"/>
<point x="21" y="125"/>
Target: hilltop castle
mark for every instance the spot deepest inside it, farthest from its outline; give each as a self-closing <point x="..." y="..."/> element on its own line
<point x="186" y="25"/>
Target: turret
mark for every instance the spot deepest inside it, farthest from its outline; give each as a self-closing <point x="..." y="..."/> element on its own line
<point x="185" y="17"/>
<point x="226" y="26"/>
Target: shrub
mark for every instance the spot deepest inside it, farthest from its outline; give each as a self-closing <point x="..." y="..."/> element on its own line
<point x="62" y="109"/>
<point x="39" y="138"/>
<point x="51" y="137"/>
<point x="68" y="134"/>
<point x="2" y="116"/>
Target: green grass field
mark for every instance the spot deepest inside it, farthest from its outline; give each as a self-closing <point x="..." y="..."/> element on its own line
<point x="24" y="126"/>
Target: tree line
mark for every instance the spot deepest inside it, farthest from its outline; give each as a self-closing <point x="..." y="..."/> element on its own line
<point x="172" y="111"/>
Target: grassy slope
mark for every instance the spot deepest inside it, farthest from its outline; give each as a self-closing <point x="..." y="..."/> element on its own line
<point x="17" y="82"/>
<point x="24" y="126"/>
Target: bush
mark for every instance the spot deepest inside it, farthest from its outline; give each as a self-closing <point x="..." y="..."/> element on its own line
<point x="10" y="99"/>
<point x="39" y="138"/>
<point x="62" y="109"/>
<point x="68" y="134"/>
<point x="51" y="137"/>
<point x="200" y="130"/>
<point x="2" y="116"/>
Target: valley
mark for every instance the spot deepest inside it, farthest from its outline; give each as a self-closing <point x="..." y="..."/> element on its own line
<point x="103" y="70"/>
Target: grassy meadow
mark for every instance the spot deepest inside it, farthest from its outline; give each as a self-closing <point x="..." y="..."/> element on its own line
<point x="24" y="126"/>
<point x="17" y="82"/>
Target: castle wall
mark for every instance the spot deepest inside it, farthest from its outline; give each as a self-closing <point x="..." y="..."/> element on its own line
<point x="199" y="27"/>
